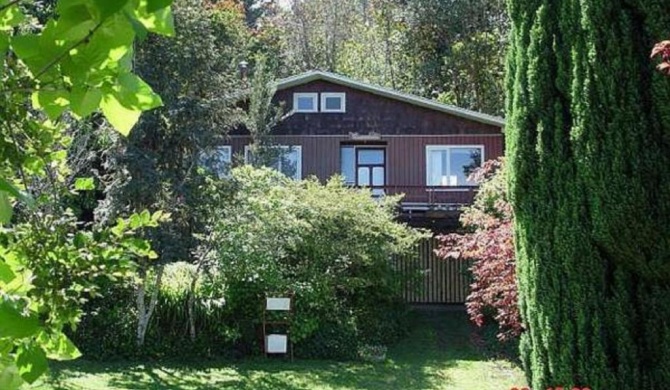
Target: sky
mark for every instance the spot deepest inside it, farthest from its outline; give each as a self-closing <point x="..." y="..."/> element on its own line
<point x="284" y="3"/>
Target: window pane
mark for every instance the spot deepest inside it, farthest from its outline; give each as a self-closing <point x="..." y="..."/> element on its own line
<point x="370" y="156"/>
<point x="437" y="168"/>
<point x="288" y="163"/>
<point x="333" y="103"/>
<point x="348" y="164"/>
<point x="363" y="176"/>
<point x="462" y="162"/>
<point x="305" y="104"/>
<point x="217" y="161"/>
<point x="221" y="162"/>
<point x="378" y="176"/>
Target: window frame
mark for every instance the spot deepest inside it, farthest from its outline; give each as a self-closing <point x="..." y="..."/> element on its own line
<point x="343" y="102"/>
<point x="376" y="190"/>
<point x="370" y="166"/>
<point x="290" y="148"/>
<point x="461" y="187"/>
<point x="313" y="95"/>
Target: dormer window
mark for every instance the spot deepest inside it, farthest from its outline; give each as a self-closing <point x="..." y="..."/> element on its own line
<point x="333" y="102"/>
<point x="305" y="102"/>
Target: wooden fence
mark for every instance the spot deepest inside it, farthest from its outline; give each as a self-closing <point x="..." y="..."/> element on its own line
<point x="430" y="279"/>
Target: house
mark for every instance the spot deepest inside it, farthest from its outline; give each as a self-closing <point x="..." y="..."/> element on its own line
<point x="376" y="137"/>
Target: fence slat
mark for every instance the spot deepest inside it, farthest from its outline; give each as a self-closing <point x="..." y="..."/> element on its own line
<point x="441" y="281"/>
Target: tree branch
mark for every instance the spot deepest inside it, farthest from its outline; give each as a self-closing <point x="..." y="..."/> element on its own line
<point x="11" y="3"/>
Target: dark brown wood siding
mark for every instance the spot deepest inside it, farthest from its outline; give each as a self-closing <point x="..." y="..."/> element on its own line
<point x="405" y="157"/>
<point x="405" y="130"/>
<point x="367" y="112"/>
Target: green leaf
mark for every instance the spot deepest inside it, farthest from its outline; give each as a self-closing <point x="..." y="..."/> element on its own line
<point x="74" y="23"/>
<point x="27" y="48"/>
<point x="59" y="347"/>
<point x="10" y="17"/>
<point x="155" y="5"/>
<point x="58" y="156"/>
<point x="53" y="103"/>
<point x="6" y="273"/>
<point x="6" y="209"/>
<point x="14" y="324"/>
<point x="9" y="375"/>
<point x="159" y="21"/>
<point x="135" y="221"/>
<point x="123" y="119"/>
<point x="9" y="188"/>
<point x="136" y="93"/>
<point x="84" y="101"/>
<point x="33" y="164"/>
<point x="4" y="43"/>
<point x="32" y="362"/>
<point x="108" y="8"/>
<point x="84" y="184"/>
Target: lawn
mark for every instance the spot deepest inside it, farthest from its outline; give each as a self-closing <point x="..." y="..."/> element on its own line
<point x="438" y="354"/>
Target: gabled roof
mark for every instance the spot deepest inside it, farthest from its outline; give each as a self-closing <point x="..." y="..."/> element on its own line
<point x="314" y="75"/>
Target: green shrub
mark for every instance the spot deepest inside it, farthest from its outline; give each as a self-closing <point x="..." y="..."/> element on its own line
<point x="329" y="245"/>
<point x="333" y="340"/>
<point x="108" y="329"/>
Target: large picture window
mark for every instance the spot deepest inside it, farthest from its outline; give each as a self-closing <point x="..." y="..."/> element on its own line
<point x="451" y="165"/>
<point x="285" y="159"/>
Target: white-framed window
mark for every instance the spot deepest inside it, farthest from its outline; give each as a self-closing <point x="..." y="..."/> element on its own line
<point x="288" y="159"/>
<point x="217" y="160"/>
<point x="333" y="102"/>
<point x="451" y="165"/>
<point x="305" y="102"/>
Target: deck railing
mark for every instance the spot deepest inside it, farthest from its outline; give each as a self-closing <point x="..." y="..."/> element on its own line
<point x="429" y="195"/>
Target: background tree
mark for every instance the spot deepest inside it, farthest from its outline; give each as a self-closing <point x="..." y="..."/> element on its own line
<point x="449" y="50"/>
<point x="156" y="167"/>
<point x="587" y="149"/>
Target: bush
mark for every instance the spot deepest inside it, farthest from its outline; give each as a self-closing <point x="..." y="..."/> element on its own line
<point x="329" y="245"/>
<point x="489" y="241"/>
<point x="108" y="328"/>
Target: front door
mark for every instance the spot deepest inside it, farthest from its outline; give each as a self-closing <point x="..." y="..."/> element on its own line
<point x="371" y="168"/>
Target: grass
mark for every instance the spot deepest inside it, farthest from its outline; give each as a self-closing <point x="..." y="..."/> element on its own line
<point x="438" y="354"/>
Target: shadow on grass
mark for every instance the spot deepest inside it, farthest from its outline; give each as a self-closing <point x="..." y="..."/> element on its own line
<point x="438" y="342"/>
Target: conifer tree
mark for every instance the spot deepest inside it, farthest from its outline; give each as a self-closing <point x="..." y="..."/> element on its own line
<point x="588" y="147"/>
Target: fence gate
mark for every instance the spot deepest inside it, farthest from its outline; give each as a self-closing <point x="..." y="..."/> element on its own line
<point x="431" y="279"/>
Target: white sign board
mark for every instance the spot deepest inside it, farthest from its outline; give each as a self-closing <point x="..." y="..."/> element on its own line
<point x="276" y="343"/>
<point x="278" y="304"/>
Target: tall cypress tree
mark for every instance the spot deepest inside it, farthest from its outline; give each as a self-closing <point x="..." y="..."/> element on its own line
<point x="588" y="146"/>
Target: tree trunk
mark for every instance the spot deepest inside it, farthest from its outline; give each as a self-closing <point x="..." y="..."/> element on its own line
<point x="143" y="313"/>
<point x="588" y="148"/>
<point x="191" y="304"/>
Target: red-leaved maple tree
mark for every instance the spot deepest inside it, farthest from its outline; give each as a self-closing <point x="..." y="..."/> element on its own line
<point x="489" y="241"/>
<point x="662" y="50"/>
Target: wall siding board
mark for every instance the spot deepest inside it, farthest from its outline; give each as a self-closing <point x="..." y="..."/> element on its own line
<point x="405" y="157"/>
